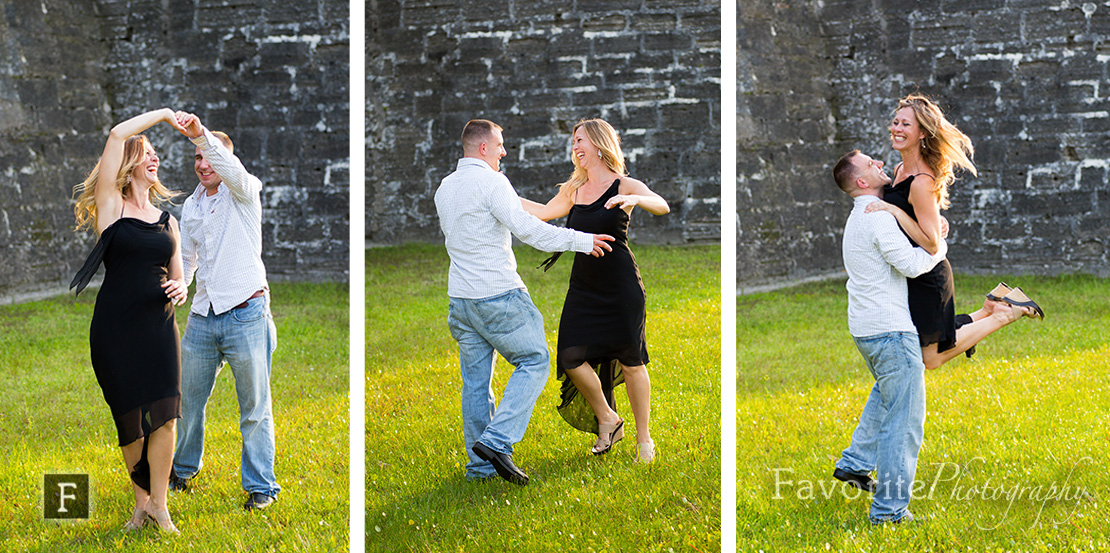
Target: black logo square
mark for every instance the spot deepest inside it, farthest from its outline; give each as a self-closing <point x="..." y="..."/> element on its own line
<point x="65" y="496"/>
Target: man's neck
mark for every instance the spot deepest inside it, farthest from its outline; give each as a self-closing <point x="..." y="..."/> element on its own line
<point x="474" y="157"/>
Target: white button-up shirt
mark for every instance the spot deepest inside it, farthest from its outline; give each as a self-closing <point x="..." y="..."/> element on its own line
<point x="879" y="259"/>
<point x="221" y="237"/>
<point x="479" y="211"/>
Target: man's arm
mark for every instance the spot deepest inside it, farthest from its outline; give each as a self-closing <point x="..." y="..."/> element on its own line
<point x="505" y="205"/>
<point x="897" y="251"/>
<point x="226" y="164"/>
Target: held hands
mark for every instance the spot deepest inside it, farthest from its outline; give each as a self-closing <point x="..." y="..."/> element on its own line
<point x="170" y="117"/>
<point x="600" y="245"/>
<point x="188" y="124"/>
<point x="623" y="201"/>
<point x="176" y="291"/>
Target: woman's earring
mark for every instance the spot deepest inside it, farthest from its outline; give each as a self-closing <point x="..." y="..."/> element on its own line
<point x="599" y="156"/>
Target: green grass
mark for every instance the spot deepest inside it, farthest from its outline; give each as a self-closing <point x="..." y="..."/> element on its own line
<point x="1030" y="409"/>
<point x="417" y="498"/>
<point x="54" y="419"/>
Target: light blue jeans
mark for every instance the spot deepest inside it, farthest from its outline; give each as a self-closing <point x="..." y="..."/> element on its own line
<point x="509" y="324"/>
<point x="246" y="339"/>
<point x="892" y="425"/>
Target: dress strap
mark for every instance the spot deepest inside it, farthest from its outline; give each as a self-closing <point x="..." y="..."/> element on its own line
<point x="549" y="262"/>
<point x="92" y="263"/>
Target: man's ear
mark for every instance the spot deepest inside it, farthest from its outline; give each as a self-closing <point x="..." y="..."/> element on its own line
<point x="860" y="183"/>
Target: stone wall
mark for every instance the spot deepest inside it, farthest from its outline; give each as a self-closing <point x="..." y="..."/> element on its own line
<point x="52" y="100"/>
<point x="787" y="218"/>
<point x="649" y="67"/>
<point x="1027" y="81"/>
<point x="271" y="74"/>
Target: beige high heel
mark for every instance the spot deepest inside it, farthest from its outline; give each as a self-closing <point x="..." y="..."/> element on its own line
<point x="605" y="440"/>
<point x="646" y="453"/>
<point x="999" y="292"/>
<point x="1017" y="298"/>
<point x="162" y="521"/>
<point x="131" y="525"/>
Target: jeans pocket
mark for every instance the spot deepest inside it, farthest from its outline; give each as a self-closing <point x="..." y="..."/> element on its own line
<point x="503" y="314"/>
<point x="255" y="310"/>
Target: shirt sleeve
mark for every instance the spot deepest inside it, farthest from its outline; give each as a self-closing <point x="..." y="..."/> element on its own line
<point x="505" y="206"/>
<point x="244" y="186"/>
<point x="908" y="260"/>
<point x="188" y="247"/>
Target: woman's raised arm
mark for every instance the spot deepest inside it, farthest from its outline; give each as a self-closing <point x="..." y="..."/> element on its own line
<point x="107" y="196"/>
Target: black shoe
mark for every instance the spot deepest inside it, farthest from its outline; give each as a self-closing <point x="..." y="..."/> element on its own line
<point x="177" y="483"/>
<point x="861" y="481"/>
<point x="258" y="500"/>
<point x="502" y="463"/>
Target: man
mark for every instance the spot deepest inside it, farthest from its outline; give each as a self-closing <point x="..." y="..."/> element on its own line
<point x="490" y="309"/>
<point x="878" y="259"/>
<point x="221" y="244"/>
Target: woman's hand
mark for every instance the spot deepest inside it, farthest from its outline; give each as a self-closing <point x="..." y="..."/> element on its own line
<point x="879" y="205"/>
<point x="623" y="201"/>
<point x="188" y="124"/>
<point x="176" y="291"/>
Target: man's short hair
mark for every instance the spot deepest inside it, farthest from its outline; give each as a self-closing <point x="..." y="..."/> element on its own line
<point x="225" y="139"/>
<point x="844" y="172"/>
<point x="476" y="132"/>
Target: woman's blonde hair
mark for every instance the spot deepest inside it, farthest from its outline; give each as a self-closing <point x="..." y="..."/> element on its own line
<point x="605" y="138"/>
<point x="134" y="150"/>
<point x="943" y="147"/>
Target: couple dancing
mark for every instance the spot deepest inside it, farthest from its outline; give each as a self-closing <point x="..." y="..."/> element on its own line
<point x="901" y="308"/>
<point x="601" y="332"/>
<point x="149" y="378"/>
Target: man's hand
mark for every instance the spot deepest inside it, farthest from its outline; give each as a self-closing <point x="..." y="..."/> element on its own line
<point x="190" y="124"/>
<point x="600" y="246"/>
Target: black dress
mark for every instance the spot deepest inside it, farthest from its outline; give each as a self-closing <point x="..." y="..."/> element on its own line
<point x="931" y="295"/>
<point x="133" y="338"/>
<point x="604" y="313"/>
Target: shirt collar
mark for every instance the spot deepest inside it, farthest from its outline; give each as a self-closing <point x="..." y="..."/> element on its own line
<point x="200" y="190"/>
<point x="864" y="200"/>
<point x="473" y="162"/>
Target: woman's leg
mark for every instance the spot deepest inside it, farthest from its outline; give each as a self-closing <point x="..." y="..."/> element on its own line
<point x="970" y="334"/>
<point x="638" y="386"/>
<point x="132" y="452"/>
<point x="589" y="385"/>
<point x="160" y="455"/>
<point x="983" y="312"/>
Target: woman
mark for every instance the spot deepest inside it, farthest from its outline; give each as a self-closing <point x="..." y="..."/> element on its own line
<point x="133" y="337"/>
<point x="932" y="148"/>
<point x="601" y="331"/>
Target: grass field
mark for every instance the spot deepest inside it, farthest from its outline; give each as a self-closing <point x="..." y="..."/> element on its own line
<point x="1016" y="445"/>
<point x="417" y="498"/>
<point x="54" y="420"/>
